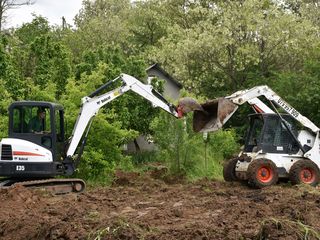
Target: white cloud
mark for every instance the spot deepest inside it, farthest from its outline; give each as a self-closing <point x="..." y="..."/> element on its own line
<point x="53" y="10"/>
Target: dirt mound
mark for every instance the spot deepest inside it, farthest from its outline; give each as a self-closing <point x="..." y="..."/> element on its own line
<point x="125" y="178"/>
<point x="148" y="208"/>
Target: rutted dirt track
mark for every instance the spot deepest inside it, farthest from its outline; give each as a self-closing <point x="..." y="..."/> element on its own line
<point x="141" y="207"/>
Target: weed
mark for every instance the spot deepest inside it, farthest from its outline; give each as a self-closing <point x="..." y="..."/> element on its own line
<point x="302" y="231"/>
<point x="121" y="229"/>
<point x="92" y="215"/>
<point x="99" y="234"/>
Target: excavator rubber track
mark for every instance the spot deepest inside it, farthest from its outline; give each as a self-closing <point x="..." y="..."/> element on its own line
<point x="55" y="186"/>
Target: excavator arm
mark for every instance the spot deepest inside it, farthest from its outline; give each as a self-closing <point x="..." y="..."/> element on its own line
<point x="92" y="103"/>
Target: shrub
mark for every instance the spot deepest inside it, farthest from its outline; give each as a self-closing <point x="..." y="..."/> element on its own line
<point x="186" y="152"/>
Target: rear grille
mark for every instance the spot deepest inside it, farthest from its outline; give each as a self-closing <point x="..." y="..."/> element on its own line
<point x="6" y="152"/>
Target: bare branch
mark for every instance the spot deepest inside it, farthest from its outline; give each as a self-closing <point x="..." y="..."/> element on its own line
<point x="14" y="4"/>
<point x="6" y="5"/>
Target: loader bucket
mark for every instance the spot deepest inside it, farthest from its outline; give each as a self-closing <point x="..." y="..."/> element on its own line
<point x="216" y="113"/>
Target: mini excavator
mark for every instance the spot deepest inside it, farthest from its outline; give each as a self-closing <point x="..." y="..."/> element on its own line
<point x="32" y="157"/>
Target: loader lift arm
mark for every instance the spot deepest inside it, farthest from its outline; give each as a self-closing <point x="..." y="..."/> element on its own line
<point x="244" y="96"/>
<point x="241" y="97"/>
<point x="219" y="111"/>
<point x="93" y="102"/>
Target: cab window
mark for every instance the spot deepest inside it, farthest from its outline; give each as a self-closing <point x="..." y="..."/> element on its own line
<point x="31" y="119"/>
<point x="59" y="125"/>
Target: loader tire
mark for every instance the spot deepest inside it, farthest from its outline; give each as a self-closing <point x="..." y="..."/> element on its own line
<point x="304" y="172"/>
<point x="229" y="170"/>
<point x="262" y="173"/>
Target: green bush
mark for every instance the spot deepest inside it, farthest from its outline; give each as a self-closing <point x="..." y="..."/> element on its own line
<point x="185" y="152"/>
<point x="142" y="157"/>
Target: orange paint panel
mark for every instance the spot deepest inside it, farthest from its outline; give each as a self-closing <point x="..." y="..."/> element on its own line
<point x="257" y="109"/>
<point x="27" y="154"/>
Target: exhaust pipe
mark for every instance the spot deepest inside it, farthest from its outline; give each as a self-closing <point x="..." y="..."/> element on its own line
<point x="215" y="114"/>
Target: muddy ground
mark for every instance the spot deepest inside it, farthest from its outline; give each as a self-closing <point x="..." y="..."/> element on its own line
<point x="142" y="207"/>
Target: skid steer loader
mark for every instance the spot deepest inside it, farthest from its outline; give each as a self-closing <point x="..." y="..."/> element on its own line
<point x="277" y="145"/>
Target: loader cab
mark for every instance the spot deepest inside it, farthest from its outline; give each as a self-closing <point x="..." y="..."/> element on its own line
<point x="268" y="133"/>
<point x="41" y="123"/>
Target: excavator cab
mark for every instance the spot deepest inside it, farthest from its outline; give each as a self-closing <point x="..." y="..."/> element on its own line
<point x="41" y="123"/>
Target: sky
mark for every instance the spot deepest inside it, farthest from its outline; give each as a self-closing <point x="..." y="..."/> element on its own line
<point x="53" y="10"/>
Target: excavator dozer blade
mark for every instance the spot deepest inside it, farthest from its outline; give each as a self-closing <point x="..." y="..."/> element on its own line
<point x="216" y="113"/>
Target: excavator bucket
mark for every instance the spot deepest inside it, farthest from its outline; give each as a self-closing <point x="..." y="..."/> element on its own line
<point x="188" y="104"/>
<point x="216" y="113"/>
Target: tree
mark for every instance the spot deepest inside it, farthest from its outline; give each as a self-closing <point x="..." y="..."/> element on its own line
<point x="136" y="113"/>
<point x="100" y="23"/>
<point x="147" y="24"/>
<point x="9" y="74"/>
<point x="40" y="55"/>
<point x="234" y="44"/>
<point x="6" y="5"/>
<point x="101" y="9"/>
<point x="301" y="88"/>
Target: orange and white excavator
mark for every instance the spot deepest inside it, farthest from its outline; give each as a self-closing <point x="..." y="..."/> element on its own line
<point x="32" y="157"/>
<point x="278" y="145"/>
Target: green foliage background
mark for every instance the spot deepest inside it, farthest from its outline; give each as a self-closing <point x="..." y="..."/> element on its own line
<point x="212" y="47"/>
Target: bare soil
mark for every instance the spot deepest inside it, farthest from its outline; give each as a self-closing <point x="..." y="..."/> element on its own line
<point x="145" y="207"/>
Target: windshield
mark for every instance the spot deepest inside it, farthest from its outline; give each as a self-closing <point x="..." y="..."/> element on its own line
<point x="31" y="119"/>
<point x="276" y="133"/>
<point x="270" y="133"/>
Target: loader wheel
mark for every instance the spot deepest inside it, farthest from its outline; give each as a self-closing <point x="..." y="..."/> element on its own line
<point x="304" y="172"/>
<point x="229" y="170"/>
<point x="262" y="173"/>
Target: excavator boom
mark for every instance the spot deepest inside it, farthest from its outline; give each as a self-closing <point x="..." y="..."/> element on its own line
<point x="92" y="103"/>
